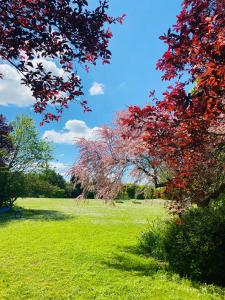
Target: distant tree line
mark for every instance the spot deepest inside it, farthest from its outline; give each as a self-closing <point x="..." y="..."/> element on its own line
<point x="25" y="169"/>
<point x="45" y="183"/>
<point x="24" y="164"/>
<point x="140" y="192"/>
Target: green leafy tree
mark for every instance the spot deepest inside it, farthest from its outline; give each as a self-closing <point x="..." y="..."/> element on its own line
<point x="38" y="186"/>
<point x="3" y="184"/>
<point x="5" y="149"/>
<point x="130" y="188"/>
<point x="5" y="140"/>
<point x="23" y="151"/>
<point x="69" y="189"/>
<point x="16" y="186"/>
<point x="29" y="151"/>
<point x="48" y="183"/>
<point x="53" y="178"/>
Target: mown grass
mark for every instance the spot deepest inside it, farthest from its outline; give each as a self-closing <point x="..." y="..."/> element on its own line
<point x="59" y="250"/>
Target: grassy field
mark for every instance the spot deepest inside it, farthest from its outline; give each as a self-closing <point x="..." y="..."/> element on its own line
<point x="59" y="250"/>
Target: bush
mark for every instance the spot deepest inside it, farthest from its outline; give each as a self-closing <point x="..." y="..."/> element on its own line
<point x="4" y="198"/>
<point x="140" y="192"/>
<point x="135" y="191"/>
<point x="127" y="192"/>
<point x="219" y="201"/>
<point x="196" y="246"/>
<point x="38" y="187"/>
<point x="123" y="195"/>
<point x="159" y="193"/>
<point x="131" y="188"/>
<point x="149" y="193"/>
<point x="152" y="240"/>
<point x="12" y="186"/>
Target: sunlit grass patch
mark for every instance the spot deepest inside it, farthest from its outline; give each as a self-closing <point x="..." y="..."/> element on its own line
<point x="60" y="250"/>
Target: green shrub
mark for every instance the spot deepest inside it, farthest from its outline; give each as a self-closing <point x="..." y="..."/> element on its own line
<point x="220" y="201"/>
<point x="130" y="188"/>
<point x="89" y="195"/>
<point x="4" y="197"/>
<point x="140" y="192"/>
<point x="124" y="195"/>
<point x="196" y="247"/>
<point x="12" y="186"/>
<point x="149" y="193"/>
<point x="135" y="191"/>
<point x="151" y="241"/>
<point x="159" y="193"/>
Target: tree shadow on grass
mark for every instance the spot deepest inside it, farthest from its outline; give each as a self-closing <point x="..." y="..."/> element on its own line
<point x="128" y="260"/>
<point x="33" y="214"/>
<point x="129" y="264"/>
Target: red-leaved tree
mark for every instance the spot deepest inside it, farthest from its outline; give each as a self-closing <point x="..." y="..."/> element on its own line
<point x="65" y="31"/>
<point x="185" y="129"/>
<point x="184" y="133"/>
<point x="194" y="160"/>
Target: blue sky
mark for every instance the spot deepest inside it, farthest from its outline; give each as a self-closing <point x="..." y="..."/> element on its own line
<point x="127" y="80"/>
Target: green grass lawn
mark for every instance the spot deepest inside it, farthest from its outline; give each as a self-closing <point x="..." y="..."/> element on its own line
<point x="59" y="250"/>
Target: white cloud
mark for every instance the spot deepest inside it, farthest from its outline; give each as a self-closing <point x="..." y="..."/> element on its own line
<point x="96" y="89"/>
<point x="13" y="92"/>
<point x="49" y="65"/>
<point x="60" y="168"/>
<point x="73" y="130"/>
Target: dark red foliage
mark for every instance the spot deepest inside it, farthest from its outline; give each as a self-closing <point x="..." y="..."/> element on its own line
<point x="196" y="47"/>
<point x="62" y="30"/>
<point x="185" y="130"/>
